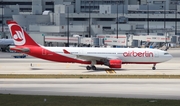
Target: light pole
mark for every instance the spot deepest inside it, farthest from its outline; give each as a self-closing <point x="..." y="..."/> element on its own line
<point x="89" y="20"/>
<point x="176" y="18"/>
<point x="123" y="7"/>
<point x="117" y="21"/>
<point x="127" y="39"/>
<point x="164" y="15"/>
<point x="2" y="20"/>
<point x="67" y="26"/>
<point x="147" y="18"/>
<point x="165" y="22"/>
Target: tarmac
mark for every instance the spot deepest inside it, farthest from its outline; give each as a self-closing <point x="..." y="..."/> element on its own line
<point x="38" y="66"/>
<point x="122" y="88"/>
<point x="31" y="65"/>
<point x="118" y="88"/>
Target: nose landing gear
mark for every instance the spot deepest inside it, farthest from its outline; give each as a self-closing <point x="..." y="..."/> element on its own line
<point x="154" y="67"/>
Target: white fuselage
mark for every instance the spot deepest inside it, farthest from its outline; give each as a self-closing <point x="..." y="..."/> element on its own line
<point x="127" y="55"/>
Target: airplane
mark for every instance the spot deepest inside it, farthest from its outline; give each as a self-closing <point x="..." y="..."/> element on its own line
<point x="5" y="43"/>
<point x="111" y="57"/>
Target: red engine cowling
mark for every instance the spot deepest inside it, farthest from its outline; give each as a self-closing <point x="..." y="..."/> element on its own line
<point x="115" y="63"/>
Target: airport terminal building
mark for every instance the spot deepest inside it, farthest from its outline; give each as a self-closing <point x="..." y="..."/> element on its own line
<point x="95" y="22"/>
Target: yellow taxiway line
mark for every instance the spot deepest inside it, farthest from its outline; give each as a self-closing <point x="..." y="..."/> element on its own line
<point x="110" y="71"/>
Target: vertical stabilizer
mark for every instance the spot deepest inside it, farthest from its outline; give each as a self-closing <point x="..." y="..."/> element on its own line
<point x="20" y="37"/>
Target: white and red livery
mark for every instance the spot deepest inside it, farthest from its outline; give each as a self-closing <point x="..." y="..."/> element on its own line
<point x="112" y="57"/>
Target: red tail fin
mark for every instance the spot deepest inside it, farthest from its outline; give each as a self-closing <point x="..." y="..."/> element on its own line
<point x="20" y="37"/>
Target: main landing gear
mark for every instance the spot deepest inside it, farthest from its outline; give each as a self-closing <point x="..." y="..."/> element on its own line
<point x="154" y="67"/>
<point x="91" y="67"/>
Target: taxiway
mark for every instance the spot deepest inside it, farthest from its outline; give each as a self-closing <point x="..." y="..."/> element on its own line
<point x="125" y="88"/>
<point x="30" y="65"/>
<point x="38" y="66"/>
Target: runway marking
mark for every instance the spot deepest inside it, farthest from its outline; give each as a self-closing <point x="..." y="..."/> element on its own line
<point x="38" y="65"/>
<point x="67" y="66"/>
<point x="110" y="71"/>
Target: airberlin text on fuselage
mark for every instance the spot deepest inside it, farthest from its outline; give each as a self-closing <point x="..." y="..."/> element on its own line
<point x="138" y="54"/>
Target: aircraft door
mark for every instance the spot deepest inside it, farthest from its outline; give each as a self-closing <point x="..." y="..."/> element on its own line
<point x="156" y="54"/>
<point x="81" y="51"/>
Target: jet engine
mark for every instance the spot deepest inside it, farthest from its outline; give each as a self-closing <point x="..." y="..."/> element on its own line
<point x="116" y="63"/>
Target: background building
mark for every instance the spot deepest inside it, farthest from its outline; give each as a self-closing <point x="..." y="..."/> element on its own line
<point x="89" y="18"/>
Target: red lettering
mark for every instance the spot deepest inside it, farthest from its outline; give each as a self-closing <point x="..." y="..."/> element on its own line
<point x="125" y="54"/>
<point x="134" y="54"/>
<point x="138" y="54"/>
<point x="151" y="54"/>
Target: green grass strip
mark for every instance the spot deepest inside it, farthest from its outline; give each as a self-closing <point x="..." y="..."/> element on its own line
<point x="87" y="76"/>
<point x="34" y="100"/>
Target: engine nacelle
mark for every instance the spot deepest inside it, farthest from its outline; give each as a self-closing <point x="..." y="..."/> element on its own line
<point x="114" y="63"/>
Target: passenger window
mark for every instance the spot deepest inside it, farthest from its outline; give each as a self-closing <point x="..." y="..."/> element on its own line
<point x="166" y="53"/>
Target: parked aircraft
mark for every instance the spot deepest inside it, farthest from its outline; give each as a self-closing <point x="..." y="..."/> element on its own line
<point x="111" y="57"/>
<point x="5" y="43"/>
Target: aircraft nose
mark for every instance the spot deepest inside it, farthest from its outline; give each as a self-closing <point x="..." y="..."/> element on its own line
<point x="169" y="57"/>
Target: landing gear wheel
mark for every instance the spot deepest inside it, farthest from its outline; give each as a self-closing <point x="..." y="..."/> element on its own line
<point x="153" y="68"/>
<point x="88" y="67"/>
<point x="93" y="67"/>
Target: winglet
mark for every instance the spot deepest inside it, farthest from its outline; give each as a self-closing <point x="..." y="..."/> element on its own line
<point x="66" y="52"/>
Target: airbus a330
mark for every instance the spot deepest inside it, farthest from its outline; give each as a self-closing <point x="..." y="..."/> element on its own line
<point x="111" y="57"/>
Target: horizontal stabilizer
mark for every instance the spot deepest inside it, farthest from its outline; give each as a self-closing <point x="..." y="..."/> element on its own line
<point x="19" y="49"/>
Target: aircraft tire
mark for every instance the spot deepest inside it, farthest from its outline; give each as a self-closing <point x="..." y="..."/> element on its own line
<point x="88" y="67"/>
<point x="93" y="67"/>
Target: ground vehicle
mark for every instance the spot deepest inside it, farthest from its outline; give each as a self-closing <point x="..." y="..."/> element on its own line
<point x="20" y="56"/>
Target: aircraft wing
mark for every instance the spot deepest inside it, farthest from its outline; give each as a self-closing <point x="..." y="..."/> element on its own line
<point x="90" y="57"/>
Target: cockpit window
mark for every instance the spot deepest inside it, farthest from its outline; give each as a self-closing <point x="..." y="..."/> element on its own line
<point x="166" y="53"/>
